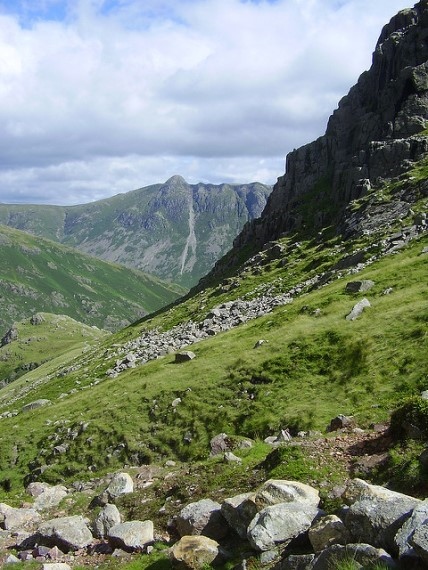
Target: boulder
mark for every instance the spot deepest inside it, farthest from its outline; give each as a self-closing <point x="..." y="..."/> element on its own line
<point x="405" y="534"/>
<point x="419" y="541"/>
<point x="121" y="484"/>
<point x="358" y="309"/>
<point x="68" y="533"/>
<point x="341" y="422"/>
<point x="276" y="491"/>
<point x="327" y="531"/>
<point x="376" y="513"/>
<point x="107" y="518"/>
<point x="361" y="555"/>
<point x="359" y="286"/>
<point x="56" y="566"/>
<point x="184" y="356"/>
<point x="50" y="497"/>
<point x="280" y="524"/>
<point x="202" y="517"/>
<point x="239" y="511"/>
<point x="195" y="553"/>
<point x="132" y="535"/>
<point x="36" y="404"/>
<point x="18" y="519"/>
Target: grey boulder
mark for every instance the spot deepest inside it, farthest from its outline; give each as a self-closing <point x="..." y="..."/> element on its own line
<point x="131" y="535"/>
<point x="280" y="524"/>
<point x="68" y="533"/>
<point x="202" y="517"/>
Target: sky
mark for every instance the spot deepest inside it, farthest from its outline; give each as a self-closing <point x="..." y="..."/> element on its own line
<point x="100" y="97"/>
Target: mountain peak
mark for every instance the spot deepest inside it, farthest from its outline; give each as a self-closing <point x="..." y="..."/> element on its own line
<point x="176" y="179"/>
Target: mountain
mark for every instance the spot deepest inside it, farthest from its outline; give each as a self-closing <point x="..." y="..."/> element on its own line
<point x="39" y="275"/>
<point x="176" y="230"/>
<point x="378" y="133"/>
<point x="303" y="352"/>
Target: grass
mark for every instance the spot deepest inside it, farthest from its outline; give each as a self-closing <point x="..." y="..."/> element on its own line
<point x="310" y="369"/>
<point x="37" y="275"/>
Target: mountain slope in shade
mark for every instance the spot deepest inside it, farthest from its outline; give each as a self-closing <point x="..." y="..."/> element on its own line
<point x="175" y="230"/>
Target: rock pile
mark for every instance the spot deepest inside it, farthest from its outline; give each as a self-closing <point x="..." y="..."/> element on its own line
<point x="154" y="344"/>
<point x="376" y="525"/>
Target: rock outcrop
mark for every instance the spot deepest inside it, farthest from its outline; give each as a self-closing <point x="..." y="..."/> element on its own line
<point x="377" y="133"/>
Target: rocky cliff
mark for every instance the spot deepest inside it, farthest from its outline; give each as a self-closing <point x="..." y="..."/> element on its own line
<point x="378" y="132"/>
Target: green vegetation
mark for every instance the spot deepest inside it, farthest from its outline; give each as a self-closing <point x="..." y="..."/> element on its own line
<point x="41" y="339"/>
<point x="313" y="366"/>
<point x="37" y="275"/>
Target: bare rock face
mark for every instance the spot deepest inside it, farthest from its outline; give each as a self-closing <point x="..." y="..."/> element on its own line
<point x="18" y="519"/>
<point x="239" y="511"/>
<point x="376" y="132"/>
<point x="377" y="513"/>
<point x="107" y="518"/>
<point x="276" y="491"/>
<point x="362" y="555"/>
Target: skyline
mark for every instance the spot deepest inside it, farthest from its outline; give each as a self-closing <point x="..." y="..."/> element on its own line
<point x="100" y="97"/>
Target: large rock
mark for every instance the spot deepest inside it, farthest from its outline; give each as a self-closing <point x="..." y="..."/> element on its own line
<point x="276" y="491"/>
<point x="239" y="511"/>
<point x="195" y="553"/>
<point x="202" y="517"/>
<point x="46" y="496"/>
<point x="107" y="518"/>
<point x="361" y="555"/>
<point x="404" y="536"/>
<point x="377" y="513"/>
<point x="359" y="286"/>
<point x="327" y="531"/>
<point x="68" y="533"/>
<point x="56" y="566"/>
<point x="280" y="524"/>
<point x="18" y="519"/>
<point x="419" y="541"/>
<point x="121" y="484"/>
<point x="131" y="535"/>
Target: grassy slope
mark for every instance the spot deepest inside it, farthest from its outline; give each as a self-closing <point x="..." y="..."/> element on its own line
<point x="42" y="340"/>
<point x="311" y="369"/>
<point x="40" y="275"/>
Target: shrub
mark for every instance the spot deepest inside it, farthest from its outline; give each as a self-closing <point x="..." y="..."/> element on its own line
<point x="410" y="419"/>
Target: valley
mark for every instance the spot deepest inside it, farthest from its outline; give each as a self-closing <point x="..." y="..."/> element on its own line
<point x="276" y="414"/>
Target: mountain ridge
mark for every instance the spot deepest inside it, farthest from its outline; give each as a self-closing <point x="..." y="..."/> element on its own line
<point x="377" y="133"/>
<point x="174" y="230"/>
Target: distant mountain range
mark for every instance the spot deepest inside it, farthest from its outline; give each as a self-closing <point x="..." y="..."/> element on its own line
<point x="176" y="230"/>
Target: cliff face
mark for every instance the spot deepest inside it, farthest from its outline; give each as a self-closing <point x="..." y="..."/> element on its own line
<point x="377" y="132"/>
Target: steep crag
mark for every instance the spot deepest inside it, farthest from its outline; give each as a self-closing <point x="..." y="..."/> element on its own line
<point x="377" y="133"/>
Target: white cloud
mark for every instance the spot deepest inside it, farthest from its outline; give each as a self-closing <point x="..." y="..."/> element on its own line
<point x="102" y="97"/>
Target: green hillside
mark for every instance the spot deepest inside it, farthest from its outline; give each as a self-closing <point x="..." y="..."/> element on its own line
<point x="41" y="338"/>
<point x="175" y="230"/>
<point x="38" y="275"/>
<point x="314" y="365"/>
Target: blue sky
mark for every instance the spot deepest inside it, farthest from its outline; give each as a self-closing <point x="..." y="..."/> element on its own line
<point x="99" y="97"/>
